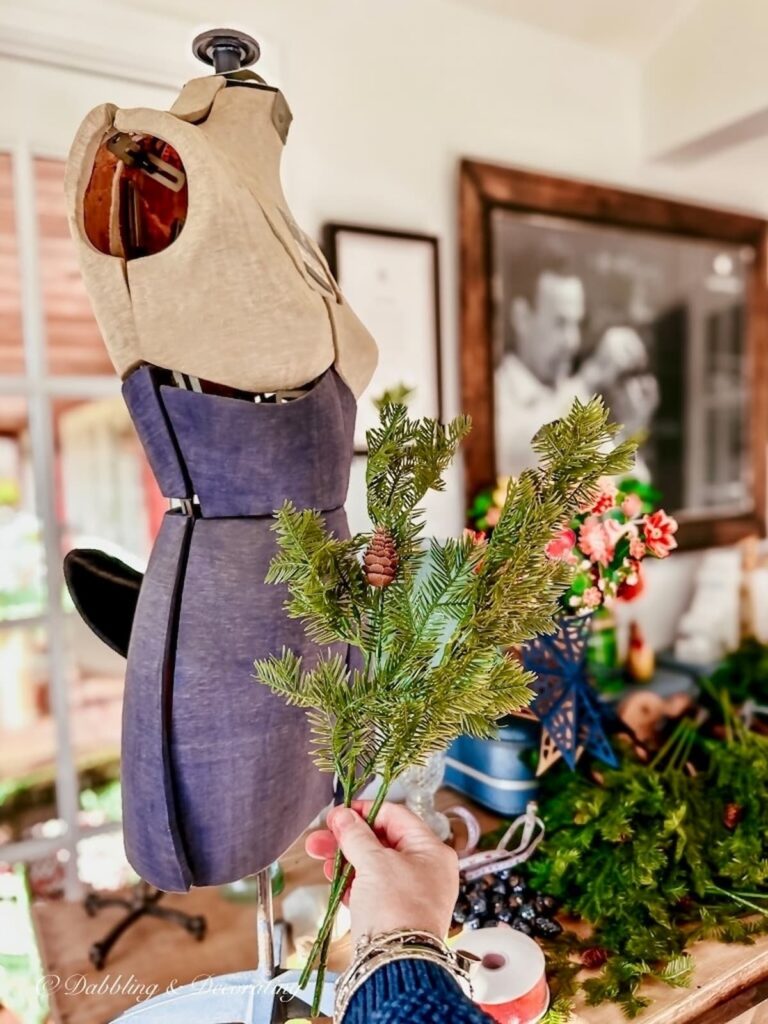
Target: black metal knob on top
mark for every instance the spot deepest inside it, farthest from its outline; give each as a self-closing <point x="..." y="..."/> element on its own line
<point x="226" y="49"/>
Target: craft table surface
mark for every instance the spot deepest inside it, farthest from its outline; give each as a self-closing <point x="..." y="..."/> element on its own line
<point x="722" y="973"/>
<point x="730" y="983"/>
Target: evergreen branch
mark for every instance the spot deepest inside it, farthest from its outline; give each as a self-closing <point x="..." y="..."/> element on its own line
<point x="325" y="582"/>
<point x="432" y="636"/>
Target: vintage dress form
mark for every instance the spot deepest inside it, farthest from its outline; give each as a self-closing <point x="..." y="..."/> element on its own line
<point x="217" y="781"/>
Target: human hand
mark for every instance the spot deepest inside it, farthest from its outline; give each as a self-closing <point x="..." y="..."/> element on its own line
<point x="405" y="878"/>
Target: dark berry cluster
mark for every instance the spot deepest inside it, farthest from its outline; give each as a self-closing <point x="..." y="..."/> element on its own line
<point x="504" y="898"/>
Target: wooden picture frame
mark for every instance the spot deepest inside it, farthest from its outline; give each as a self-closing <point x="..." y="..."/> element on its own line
<point x="414" y="301"/>
<point x="484" y="187"/>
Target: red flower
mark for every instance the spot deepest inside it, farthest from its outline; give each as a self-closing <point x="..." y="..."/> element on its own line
<point x="560" y="548"/>
<point x="659" y="530"/>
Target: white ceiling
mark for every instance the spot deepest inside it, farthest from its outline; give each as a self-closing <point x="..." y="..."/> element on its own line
<point x="632" y="28"/>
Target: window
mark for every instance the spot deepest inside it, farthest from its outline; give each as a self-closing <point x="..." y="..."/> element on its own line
<point x="72" y="473"/>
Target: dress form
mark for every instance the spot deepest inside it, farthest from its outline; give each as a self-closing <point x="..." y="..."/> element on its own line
<point x="232" y="301"/>
<point x="279" y="319"/>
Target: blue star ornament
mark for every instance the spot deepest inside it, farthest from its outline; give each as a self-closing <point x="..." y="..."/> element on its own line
<point x="565" y="702"/>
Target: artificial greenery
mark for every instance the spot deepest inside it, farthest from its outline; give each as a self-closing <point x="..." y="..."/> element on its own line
<point x="742" y="675"/>
<point x="433" y="622"/>
<point x="654" y="857"/>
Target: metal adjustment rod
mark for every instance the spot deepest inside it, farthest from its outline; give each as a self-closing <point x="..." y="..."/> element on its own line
<point x="226" y="49"/>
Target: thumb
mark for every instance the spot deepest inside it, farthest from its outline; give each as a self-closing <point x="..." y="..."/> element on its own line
<point x="353" y="835"/>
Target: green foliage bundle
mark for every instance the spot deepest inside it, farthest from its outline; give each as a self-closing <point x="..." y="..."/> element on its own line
<point x="742" y="675"/>
<point x="656" y="857"/>
<point x="433" y="631"/>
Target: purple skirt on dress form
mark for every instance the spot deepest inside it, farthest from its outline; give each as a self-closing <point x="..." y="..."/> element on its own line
<point x="217" y="781"/>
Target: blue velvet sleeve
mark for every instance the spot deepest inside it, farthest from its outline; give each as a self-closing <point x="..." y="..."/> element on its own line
<point x="412" y="992"/>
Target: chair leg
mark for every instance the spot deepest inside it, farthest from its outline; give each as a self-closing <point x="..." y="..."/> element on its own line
<point x="94" y="902"/>
<point x="99" y="951"/>
<point x="194" y="924"/>
<point x="143" y="903"/>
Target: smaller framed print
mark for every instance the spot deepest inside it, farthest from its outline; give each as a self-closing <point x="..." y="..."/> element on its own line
<point x="392" y="282"/>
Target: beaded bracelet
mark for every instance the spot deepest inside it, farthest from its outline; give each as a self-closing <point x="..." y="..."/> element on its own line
<point x="371" y="953"/>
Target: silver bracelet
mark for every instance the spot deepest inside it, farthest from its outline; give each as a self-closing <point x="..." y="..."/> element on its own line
<point x="371" y="953"/>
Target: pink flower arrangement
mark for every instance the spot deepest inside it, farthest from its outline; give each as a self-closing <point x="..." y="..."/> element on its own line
<point x="607" y="543"/>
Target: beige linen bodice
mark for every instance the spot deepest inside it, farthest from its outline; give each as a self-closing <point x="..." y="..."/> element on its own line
<point x="242" y="297"/>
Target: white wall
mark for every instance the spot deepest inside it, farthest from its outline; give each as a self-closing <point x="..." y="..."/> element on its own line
<point x="388" y="96"/>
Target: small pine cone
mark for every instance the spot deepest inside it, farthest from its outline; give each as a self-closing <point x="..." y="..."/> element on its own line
<point x="732" y="815"/>
<point x="381" y="559"/>
<point x="594" y="957"/>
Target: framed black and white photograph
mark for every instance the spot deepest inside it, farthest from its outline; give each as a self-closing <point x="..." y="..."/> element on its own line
<point x="576" y="290"/>
<point x="392" y="280"/>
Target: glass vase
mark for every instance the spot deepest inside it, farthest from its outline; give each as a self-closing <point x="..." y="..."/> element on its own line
<point x="421" y="783"/>
<point x="603" y="652"/>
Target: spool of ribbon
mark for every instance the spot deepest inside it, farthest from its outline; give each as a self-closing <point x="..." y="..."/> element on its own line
<point x="508" y="974"/>
<point x="474" y="864"/>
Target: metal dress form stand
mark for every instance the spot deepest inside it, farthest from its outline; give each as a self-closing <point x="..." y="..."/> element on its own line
<point x="269" y="994"/>
<point x="266" y="995"/>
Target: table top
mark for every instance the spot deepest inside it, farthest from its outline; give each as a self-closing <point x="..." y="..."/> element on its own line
<point x="729" y="982"/>
<point x="722" y="973"/>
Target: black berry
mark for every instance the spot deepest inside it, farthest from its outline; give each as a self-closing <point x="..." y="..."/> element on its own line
<point x="547" y="928"/>
<point x="527" y="912"/>
<point x="479" y="905"/>
<point x="550" y="904"/>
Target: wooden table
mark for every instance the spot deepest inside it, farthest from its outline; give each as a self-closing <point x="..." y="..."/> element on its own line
<point x="730" y="983"/>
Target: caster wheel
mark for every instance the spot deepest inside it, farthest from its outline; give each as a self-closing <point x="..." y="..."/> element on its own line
<point x="96" y="956"/>
<point x="197" y="926"/>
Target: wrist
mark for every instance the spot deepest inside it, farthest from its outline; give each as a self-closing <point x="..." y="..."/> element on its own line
<point x="383" y="949"/>
<point x="387" y="924"/>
